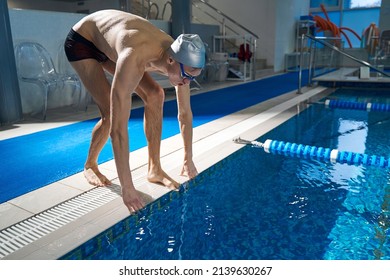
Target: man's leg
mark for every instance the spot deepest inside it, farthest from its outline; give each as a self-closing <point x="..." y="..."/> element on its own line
<point x="153" y="96"/>
<point x="95" y="81"/>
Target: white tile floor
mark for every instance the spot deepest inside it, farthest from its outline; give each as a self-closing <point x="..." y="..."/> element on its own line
<point x="212" y="142"/>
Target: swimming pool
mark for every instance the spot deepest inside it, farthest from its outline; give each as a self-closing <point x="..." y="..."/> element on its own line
<point x="254" y="205"/>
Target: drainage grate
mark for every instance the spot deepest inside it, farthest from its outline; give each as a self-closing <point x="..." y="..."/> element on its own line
<point x="27" y="231"/>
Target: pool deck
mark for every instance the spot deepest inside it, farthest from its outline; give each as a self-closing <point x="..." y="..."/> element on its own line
<point x="51" y="221"/>
<point x="351" y="75"/>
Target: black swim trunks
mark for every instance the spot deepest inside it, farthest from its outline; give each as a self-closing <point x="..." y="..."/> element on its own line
<point x="78" y="48"/>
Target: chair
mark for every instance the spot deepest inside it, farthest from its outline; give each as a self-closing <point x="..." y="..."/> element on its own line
<point x="384" y="42"/>
<point x="383" y="49"/>
<point x="65" y="68"/>
<point x="34" y="65"/>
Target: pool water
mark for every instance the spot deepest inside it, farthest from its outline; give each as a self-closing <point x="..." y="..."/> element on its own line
<point x="255" y="205"/>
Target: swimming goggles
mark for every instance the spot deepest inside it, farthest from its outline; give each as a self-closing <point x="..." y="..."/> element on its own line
<point x="185" y="75"/>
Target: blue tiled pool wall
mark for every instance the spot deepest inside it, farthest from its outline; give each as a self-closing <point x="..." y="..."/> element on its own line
<point x="321" y="211"/>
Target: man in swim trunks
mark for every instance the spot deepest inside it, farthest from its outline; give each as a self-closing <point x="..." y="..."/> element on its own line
<point x="129" y="47"/>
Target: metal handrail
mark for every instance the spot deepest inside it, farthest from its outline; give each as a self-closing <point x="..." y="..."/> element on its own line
<point x="222" y="23"/>
<point x="365" y="63"/>
<point x="322" y="41"/>
<point x="252" y="35"/>
<point x="227" y="17"/>
<point x="150" y="6"/>
<point x="163" y="11"/>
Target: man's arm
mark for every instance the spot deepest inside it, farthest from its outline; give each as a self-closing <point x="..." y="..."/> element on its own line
<point x="126" y="78"/>
<point x="185" y="122"/>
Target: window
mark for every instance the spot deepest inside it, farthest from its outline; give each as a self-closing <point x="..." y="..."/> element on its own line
<point x="353" y="16"/>
<point x="363" y="4"/>
<point x="330" y="5"/>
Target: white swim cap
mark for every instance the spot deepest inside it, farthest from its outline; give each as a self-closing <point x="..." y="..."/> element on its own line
<point x="189" y="50"/>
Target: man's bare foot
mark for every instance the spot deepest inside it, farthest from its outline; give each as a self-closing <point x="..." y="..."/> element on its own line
<point x="94" y="177"/>
<point x="163" y="179"/>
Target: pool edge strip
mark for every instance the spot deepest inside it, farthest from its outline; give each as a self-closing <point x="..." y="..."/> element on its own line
<point x="16" y="236"/>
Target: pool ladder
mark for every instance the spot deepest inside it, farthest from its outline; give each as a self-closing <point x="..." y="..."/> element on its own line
<point x="322" y="40"/>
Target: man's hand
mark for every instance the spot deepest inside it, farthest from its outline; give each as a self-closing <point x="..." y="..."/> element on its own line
<point x="189" y="169"/>
<point x="132" y="199"/>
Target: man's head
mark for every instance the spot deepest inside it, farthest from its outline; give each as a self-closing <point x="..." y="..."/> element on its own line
<point x="189" y="50"/>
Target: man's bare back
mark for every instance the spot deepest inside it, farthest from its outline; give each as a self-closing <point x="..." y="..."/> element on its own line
<point x="113" y="31"/>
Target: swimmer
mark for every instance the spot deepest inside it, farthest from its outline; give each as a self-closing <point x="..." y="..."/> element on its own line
<point x="130" y="47"/>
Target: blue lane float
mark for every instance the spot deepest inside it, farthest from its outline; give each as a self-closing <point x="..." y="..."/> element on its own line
<point x="317" y="153"/>
<point x="364" y="106"/>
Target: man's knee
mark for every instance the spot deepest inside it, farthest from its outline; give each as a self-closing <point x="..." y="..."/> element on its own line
<point x="156" y="96"/>
<point x="105" y="118"/>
